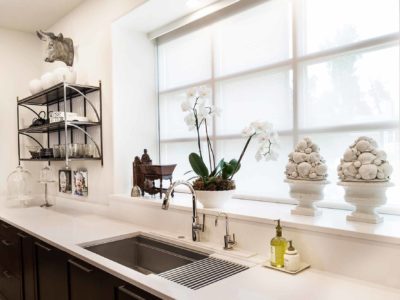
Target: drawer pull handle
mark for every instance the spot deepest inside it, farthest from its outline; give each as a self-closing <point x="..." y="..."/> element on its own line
<point x="5" y="225"/>
<point x="79" y="266"/>
<point x="7" y="274"/>
<point x="21" y="235"/>
<point x="129" y="293"/>
<point x="6" y="243"/>
<point x="43" y="247"/>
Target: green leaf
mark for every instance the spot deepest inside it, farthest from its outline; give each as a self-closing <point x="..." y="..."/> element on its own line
<point x="198" y="165"/>
<point x="230" y="168"/>
<point x="217" y="168"/>
<point x="227" y="171"/>
<point x="236" y="165"/>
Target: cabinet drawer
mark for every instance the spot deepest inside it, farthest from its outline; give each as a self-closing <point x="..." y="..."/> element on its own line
<point x="129" y="292"/>
<point x="10" y="256"/>
<point x="10" y="285"/>
<point x="8" y="233"/>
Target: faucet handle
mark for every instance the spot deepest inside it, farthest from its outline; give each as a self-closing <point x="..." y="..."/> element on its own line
<point x="165" y="204"/>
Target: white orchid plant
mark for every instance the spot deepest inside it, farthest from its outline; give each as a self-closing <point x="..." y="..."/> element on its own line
<point x="219" y="176"/>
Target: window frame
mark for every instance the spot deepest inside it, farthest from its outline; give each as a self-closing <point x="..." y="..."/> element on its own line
<point x="294" y="64"/>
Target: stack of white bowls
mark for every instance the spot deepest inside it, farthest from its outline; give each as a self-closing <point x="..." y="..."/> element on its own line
<point x="49" y="79"/>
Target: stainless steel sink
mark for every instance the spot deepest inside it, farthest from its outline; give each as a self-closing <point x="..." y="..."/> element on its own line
<point x="147" y="255"/>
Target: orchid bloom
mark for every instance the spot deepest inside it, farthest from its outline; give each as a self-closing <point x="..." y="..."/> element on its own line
<point x="267" y="138"/>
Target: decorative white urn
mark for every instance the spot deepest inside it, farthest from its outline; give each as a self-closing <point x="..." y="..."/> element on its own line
<point x="364" y="173"/>
<point x="307" y="192"/>
<point x="366" y="197"/>
<point x="306" y="174"/>
<point x="214" y="199"/>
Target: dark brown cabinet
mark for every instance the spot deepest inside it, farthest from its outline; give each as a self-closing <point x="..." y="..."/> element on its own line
<point x="28" y="266"/>
<point x="51" y="272"/>
<point x="33" y="270"/>
<point x="10" y="263"/>
<point x="89" y="283"/>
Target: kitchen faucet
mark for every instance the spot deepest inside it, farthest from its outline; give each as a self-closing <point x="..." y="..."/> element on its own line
<point x="229" y="241"/>
<point x="196" y="226"/>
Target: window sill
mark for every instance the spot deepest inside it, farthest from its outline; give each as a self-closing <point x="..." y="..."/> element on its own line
<point x="332" y="221"/>
<point x="388" y="209"/>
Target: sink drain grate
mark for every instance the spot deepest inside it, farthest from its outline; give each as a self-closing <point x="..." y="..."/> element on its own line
<point x="203" y="272"/>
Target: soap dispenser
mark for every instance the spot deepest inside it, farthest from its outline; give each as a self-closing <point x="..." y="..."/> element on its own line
<point x="278" y="247"/>
<point x="292" y="259"/>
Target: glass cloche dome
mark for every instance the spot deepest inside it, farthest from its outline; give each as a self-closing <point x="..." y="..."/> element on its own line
<point x="19" y="186"/>
<point x="46" y="175"/>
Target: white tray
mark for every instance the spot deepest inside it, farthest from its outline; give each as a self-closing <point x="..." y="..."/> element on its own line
<point x="303" y="266"/>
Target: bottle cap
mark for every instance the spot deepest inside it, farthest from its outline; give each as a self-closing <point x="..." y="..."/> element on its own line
<point x="278" y="228"/>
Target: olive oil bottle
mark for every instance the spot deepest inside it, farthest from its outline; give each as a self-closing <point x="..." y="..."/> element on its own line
<point x="278" y="247"/>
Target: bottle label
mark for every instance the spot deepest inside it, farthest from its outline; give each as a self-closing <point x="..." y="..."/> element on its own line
<point x="273" y="255"/>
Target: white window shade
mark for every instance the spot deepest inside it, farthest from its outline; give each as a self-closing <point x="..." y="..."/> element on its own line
<point x="328" y="24"/>
<point x="240" y="45"/>
<point x="185" y="60"/>
<point x="259" y="96"/>
<point x="354" y="88"/>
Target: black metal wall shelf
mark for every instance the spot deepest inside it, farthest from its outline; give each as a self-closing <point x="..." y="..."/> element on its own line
<point x="56" y="94"/>
<point x="61" y="159"/>
<point x="53" y="127"/>
<point x="63" y="93"/>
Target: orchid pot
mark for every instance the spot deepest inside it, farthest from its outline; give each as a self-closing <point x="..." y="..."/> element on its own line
<point x="214" y="199"/>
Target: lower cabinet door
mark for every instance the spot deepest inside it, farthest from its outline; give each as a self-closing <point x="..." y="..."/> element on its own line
<point x="10" y="286"/>
<point x="27" y="263"/>
<point x="51" y="273"/>
<point x="89" y="283"/>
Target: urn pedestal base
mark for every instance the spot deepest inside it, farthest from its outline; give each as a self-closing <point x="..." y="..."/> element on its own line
<point x="366" y="197"/>
<point x="307" y="192"/>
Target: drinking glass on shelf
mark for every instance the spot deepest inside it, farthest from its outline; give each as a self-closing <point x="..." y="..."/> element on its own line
<point x="81" y="150"/>
<point x="90" y="150"/>
<point x="70" y="150"/>
<point x="56" y="151"/>
<point x="62" y="151"/>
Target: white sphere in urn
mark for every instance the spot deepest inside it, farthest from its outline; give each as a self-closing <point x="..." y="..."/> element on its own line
<point x="363" y="161"/>
<point x="305" y="162"/>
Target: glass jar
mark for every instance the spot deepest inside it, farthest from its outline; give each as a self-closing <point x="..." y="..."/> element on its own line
<point x="46" y="175"/>
<point x="19" y="187"/>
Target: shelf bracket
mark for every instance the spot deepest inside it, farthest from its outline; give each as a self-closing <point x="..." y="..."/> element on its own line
<point x="32" y="139"/>
<point x="86" y="98"/>
<point x="23" y="105"/>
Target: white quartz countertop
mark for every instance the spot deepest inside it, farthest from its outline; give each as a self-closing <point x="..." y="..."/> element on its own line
<point x="67" y="229"/>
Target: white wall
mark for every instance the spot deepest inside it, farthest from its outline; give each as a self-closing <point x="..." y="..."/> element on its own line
<point x="135" y="102"/>
<point x="89" y="25"/>
<point x="20" y="61"/>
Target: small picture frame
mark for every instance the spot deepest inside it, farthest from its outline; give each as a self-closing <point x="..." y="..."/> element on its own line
<point x="80" y="184"/>
<point x="64" y="181"/>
